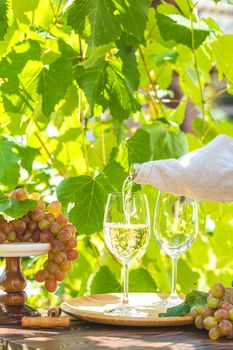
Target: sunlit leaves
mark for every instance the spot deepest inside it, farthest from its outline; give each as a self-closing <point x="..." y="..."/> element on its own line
<point x="140" y="280"/>
<point x="177" y="27"/>
<point x="3" y="18"/>
<point x="88" y="196"/>
<point x="139" y="147"/>
<point x="104" y="281"/>
<point x="53" y="83"/>
<point x="99" y="21"/>
<point x="12" y="154"/>
<point x="102" y="22"/>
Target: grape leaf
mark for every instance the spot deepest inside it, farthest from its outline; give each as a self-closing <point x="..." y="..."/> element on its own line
<point x="167" y="140"/>
<point x="140" y="280"/>
<point x="112" y="177"/>
<point x="3" y="18"/>
<point x="101" y="16"/>
<point x="139" y="147"/>
<point x="53" y="83"/>
<point x="177" y="27"/>
<point x="134" y="15"/>
<point x="104" y="281"/>
<point x="9" y="170"/>
<point x="121" y="102"/>
<point x="178" y="310"/>
<point x="13" y="209"/>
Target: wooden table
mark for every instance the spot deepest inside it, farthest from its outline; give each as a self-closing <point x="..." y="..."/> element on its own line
<point x="89" y="336"/>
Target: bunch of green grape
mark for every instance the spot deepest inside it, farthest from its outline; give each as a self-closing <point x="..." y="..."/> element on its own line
<point x="47" y="225"/>
<point x="217" y="315"/>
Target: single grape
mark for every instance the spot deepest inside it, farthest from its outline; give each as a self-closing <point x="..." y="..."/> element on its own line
<point x="70" y="228"/>
<point x="35" y="196"/>
<point x="54" y="207"/>
<point x="2" y="237"/>
<point x="55" y="227"/>
<point x="72" y="243"/>
<point x="25" y="236"/>
<point x="19" y="226"/>
<point x="36" y="236"/>
<point x="39" y="276"/>
<point x="40" y="205"/>
<point x="49" y="217"/>
<point x="52" y="267"/>
<point x="208" y="311"/>
<point x="193" y="312"/>
<point x="6" y="227"/>
<point x="225" y="327"/>
<point x="64" y="235"/>
<point x="214" y="333"/>
<point x="43" y="224"/>
<point x="200" y="309"/>
<point x="227" y="306"/>
<point x="212" y="302"/>
<point x="46" y="274"/>
<point x="217" y="290"/>
<point x="199" y="322"/>
<point x="11" y="236"/>
<point x="51" y="285"/>
<point x="46" y="236"/>
<point x="26" y="218"/>
<point x="209" y="322"/>
<point x="32" y="226"/>
<point x="60" y="275"/>
<point x="19" y="194"/>
<point x="62" y="219"/>
<point x="220" y="315"/>
<point x="66" y="266"/>
<point x="59" y="258"/>
<point x="37" y="215"/>
<point x="72" y="254"/>
<point x="57" y="246"/>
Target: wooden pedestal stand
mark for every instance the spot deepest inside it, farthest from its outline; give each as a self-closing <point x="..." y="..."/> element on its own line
<point x="13" y="282"/>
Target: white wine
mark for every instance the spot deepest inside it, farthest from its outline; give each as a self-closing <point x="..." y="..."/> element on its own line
<point x="126" y="241"/>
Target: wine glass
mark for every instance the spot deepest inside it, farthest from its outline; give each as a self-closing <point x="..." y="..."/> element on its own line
<point x="175" y="228"/>
<point x="126" y="234"/>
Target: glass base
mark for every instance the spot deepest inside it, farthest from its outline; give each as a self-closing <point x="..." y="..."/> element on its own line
<point x="125" y="311"/>
<point x="172" y="300"/>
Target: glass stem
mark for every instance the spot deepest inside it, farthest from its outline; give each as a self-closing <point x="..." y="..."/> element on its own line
<point x="125" y="300"/>
<point x="174" y="275"/>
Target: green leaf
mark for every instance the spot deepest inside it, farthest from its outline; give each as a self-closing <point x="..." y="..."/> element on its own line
<point x="92" y="81"/>
<point x="196" y="297"/>
<point x="104" y="281"/>
<point x="224" y="62"/>
<point x="88" y="198"/>
<point x="140" y="280"/>
<point x="9" y="170"/>
<point x="177" y="27"/>
<point x="13" y="209"/>
<point x="121" y="101"/>
<point x="3" y="18"/>
<point x="134" y="15"/>
<point x="167" y="140"/>
<point x="112" y="177"/>
<point x="139" y="147"/>
<point x="179" y="310"/>
<point x="101" y="19"/>
<point x="53" y="83"/>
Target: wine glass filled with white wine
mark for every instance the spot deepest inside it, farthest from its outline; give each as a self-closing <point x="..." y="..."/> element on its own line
<point x="126" y="233"/>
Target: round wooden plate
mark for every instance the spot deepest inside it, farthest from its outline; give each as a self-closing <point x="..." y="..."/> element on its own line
<point x="91" y="308"/>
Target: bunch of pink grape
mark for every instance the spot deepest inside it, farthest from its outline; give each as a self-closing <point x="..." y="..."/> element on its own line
<point x="217" y="315"/>
<point x="47" y="226"/>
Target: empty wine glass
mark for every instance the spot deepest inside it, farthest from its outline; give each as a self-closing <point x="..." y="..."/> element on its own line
<point x="126" y="233"/>
<point x="175" y="228"/>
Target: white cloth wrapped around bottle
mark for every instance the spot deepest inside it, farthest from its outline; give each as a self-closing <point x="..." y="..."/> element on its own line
<point x="204" y="174"/>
